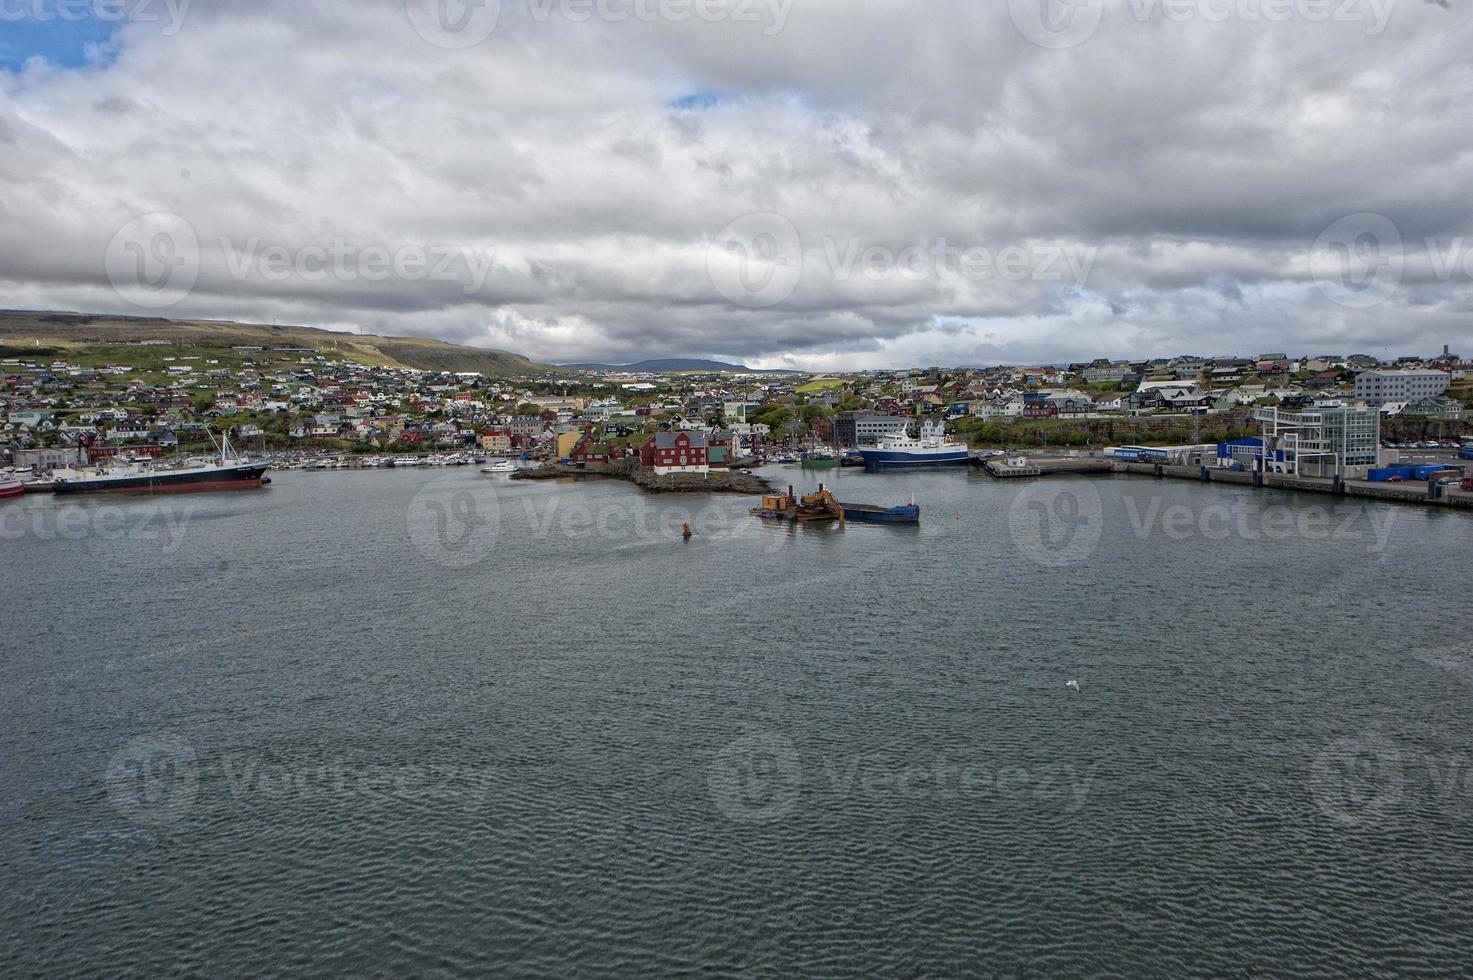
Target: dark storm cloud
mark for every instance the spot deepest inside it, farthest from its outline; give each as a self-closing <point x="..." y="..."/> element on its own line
<point x="1178" y="172"/>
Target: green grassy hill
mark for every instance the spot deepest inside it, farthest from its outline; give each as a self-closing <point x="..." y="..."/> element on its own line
<point x="76" y="332"/>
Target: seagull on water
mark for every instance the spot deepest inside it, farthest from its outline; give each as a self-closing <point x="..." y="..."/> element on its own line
<point x="1073" y="684"/>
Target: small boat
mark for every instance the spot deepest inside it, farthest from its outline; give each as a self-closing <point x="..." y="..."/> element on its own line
<point x="500" y="466"/>
<point x="874" y="514"/>
<point x="11" y="488"/>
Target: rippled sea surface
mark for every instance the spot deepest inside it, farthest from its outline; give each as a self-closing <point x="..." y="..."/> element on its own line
<point x="437" y="722"/>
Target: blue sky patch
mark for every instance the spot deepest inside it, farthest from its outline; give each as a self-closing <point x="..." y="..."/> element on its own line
<point x="38" y="28"/>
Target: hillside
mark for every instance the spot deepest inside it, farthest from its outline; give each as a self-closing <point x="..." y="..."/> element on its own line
<point x="666" y="364"/>
<point x="75" y="330"/>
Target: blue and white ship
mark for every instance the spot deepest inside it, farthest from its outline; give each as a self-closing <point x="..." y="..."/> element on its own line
<point x="904" y="452"/>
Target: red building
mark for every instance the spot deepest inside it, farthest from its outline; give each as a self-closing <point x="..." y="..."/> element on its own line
<point x="676" y="452"/>
<point x="95" y="452"/>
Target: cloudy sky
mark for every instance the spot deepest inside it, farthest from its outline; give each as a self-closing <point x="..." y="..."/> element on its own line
<point x="811" y="183"/>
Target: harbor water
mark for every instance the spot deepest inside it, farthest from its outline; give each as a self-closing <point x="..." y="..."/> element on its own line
<point x="441" y="722"/>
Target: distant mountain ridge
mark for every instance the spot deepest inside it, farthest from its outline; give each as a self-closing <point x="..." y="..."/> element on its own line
<point x="422" y="353"/>
<point x="658" y="364"/>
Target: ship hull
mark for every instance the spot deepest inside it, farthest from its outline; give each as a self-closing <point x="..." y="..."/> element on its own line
<point x="872" y="514"/>
<point x="11" y="488"/>
<point x="888" y="459"/>
<point x="223" y="478"/>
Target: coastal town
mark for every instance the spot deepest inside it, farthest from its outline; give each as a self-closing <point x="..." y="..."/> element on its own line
<point x="1352" y="417"/>
<point x="310" y="407"/>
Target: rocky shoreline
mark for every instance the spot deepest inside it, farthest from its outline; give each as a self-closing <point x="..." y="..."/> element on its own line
<point x="716" y="482"/>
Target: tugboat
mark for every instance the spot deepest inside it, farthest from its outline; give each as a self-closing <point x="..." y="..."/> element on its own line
<point x="903" y="452"/>
<point x="227" y="474"/>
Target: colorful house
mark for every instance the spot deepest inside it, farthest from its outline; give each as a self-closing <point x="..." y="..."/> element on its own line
<point x="676" y="452"/>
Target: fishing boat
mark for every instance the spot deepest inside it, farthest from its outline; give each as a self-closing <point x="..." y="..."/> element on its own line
<point x="11" y="488"/>
<point x="818" y="460"/>
<point x="227" y="474"/>
<point x="929" y="450"/>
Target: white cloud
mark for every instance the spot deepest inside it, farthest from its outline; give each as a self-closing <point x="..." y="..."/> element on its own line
<point x="1194" y="163"/>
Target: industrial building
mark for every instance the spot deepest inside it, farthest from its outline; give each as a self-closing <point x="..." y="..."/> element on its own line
<point x="1379" y="387"/>
<point x="855" y="429"/>
<point x="1325" y="441"/>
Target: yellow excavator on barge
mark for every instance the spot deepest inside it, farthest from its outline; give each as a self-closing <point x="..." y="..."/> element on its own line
<point x="820" y="506"/>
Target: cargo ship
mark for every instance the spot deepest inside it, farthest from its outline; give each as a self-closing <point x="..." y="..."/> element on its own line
<point x="226" y="474"/>
<point x="874" y="514"/>
<point x="905" y="452"/>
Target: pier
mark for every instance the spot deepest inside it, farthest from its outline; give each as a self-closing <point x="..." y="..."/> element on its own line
<point x="1403" y="493"/>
